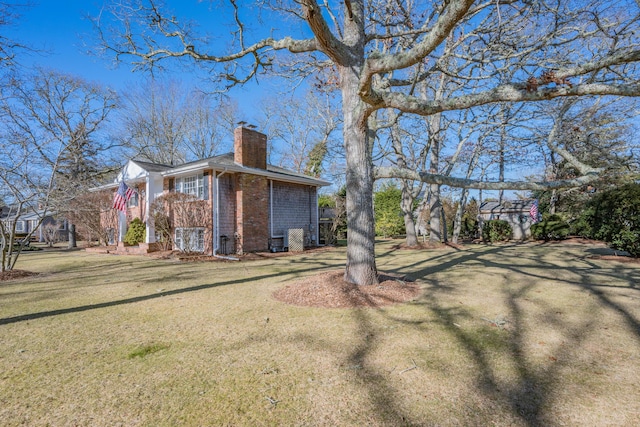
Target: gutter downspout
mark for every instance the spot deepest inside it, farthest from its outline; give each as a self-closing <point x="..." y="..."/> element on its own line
<point x="271" y="209"/>
<point x="216" y="220"/>
<point x="317" y="211"/>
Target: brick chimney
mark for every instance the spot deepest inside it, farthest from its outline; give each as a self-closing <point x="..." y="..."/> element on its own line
<point x="250" y="148"/>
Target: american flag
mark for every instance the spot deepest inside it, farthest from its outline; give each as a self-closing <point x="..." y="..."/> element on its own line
<point x="122" y="196"/>
<point x="533" y="211"/>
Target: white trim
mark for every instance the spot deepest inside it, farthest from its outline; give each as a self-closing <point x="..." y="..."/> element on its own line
<point x="268" y="174"/>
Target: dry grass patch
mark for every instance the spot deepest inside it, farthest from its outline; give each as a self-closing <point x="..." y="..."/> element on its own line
<point x="516" y="335"/>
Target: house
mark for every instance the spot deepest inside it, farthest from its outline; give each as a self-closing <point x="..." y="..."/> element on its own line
<point x="515" y="212"/>
<point x="245" y="204"/>
<point x="28" y="222"/>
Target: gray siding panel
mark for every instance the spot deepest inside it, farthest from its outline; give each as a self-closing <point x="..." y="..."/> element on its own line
<point x="227" y="211"/>
<point x="294" y="206"/>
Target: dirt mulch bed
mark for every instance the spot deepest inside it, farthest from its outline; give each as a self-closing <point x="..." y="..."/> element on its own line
<point x="15" y="274"/>
<point x="329" y="290"/>
<point x="618" y="258"/>
<point x="575" y="241"/>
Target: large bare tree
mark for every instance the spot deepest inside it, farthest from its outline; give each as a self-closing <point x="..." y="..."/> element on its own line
<point x="50" y="123"/>
<point x="555" y="44"/>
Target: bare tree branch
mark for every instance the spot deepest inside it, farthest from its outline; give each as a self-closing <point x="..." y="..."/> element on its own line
<point x="431" y="178"/>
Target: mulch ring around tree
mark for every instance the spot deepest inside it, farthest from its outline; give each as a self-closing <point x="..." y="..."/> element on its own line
<point x="329" y="290"/>
<point x="15" y="274"/>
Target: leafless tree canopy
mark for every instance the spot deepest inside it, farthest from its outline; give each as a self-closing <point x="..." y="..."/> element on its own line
<point x="48" y="121"/>
<point x="163" y="122"/>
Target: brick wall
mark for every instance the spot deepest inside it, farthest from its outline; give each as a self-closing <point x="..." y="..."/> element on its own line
<point x="252" y="207"/>
<point x="250" y="148"/>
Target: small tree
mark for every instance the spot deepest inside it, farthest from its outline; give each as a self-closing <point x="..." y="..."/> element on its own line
<point x="93" y="215"/>
<point x="50" y="233"/>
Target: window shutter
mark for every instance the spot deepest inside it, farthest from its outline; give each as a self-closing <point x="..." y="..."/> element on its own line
<point x="171" y="184"/>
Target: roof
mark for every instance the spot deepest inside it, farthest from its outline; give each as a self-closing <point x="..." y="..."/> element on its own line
<point x="223" y="162"/>
<point x="508" y="206"/>
<point x="151" y="167"/>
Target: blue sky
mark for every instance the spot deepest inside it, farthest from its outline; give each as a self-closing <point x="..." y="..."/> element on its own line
<point x="63" y="33"/>
<point x="61" y="29"/>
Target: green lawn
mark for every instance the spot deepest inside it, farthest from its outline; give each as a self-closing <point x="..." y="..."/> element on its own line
<point x="502" y="335"/>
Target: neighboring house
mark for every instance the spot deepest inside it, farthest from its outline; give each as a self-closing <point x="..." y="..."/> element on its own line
<point x="28" y="221"/>
<point x="250" y="205"/>
<point x="515" y="212"/>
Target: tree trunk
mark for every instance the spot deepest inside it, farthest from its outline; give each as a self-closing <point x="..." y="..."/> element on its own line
<point x="361" y="263"/>
<point x="406" y="204"/>
<point x="435" y="228"/>
<point x="445" y="232"/>
<point x="72" y="236"/>
<point x="457" y="222"/>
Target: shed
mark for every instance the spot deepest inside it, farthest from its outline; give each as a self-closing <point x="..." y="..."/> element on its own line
<point x="516" y="212"/>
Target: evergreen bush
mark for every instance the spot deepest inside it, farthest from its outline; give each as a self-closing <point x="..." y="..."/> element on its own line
<point x="552" y="227"/>
<point x="496" y="230"/>
<point x="136" y="232"/>
<point x="614" y="217"/>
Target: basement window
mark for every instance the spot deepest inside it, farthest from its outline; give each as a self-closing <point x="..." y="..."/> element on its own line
<point x="189" y="239"/>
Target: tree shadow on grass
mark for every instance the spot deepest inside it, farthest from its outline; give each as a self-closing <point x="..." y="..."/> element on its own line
<point x="529" y="394"/>
<point x="141" y="298"/>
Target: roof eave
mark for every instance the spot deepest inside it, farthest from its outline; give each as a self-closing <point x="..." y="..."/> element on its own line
<point x="268" y="174"/>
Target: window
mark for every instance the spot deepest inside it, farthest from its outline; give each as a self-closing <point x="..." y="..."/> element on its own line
<point x="20" y="227"/>
<point x="133" y="201"/>
<point x="111" y="236"/>
<point x="189" y="239"/>
<point x="196" y="185"/>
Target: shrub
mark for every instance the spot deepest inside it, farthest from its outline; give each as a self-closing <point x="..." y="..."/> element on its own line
<point x="135" y="233"/>
<point x="581" y="227"/>
<point x="614" y="217"/>
<point x="388" y="214"/>
<point x="496" y="230"/>
<point x="552" y="227"/>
